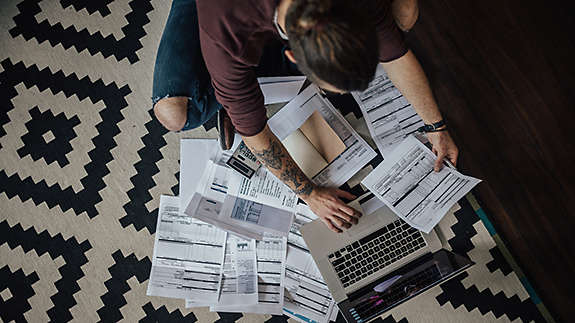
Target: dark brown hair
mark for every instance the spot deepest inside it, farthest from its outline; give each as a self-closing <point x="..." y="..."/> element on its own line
<point x="333" y="41"/>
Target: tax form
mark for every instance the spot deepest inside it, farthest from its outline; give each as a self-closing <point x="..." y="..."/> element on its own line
<point x="389" y="117"/>
<point x="357" y="151"/>
<point x="239" y="281"/>
<point x="406" y="182"/>
<point x="265" y="188"/>
<point x="188" y="255"/>
<point x="222" y="201"/>
<point x="271" y="255"/>
<point x="239" y="275"/>
<point x="307" y="298"/>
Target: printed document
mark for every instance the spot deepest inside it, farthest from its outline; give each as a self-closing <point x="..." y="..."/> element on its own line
<point x="271" y="255"/>
<point x="239" y="280"/>
<point x="293" y="115"/>
<point x="389" y="117"/>
<point x="223" y="201"/>
<point x="307" y="298"/>
<point x="263" y="187"/>
<point x="406" y="182"/>
<point x="188" y="255"/>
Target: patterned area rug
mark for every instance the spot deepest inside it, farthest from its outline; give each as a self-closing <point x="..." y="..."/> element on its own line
<point x="83" y="164"/>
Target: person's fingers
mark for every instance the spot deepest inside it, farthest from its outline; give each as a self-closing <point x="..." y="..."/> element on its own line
<point x="330" y="225"/>
<point x="347" y="219"/>
<point x="339" y="222"/>
<point x="434" y="150"/>
<point x="349" y="210"/>
<point x="453" y="157"/>
<point x="344" y="194"/>
<point x="439" y="162"/>
<point x="344" y="216"/>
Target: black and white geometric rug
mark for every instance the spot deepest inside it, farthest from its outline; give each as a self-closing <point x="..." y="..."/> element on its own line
<point x="83" y="165"/>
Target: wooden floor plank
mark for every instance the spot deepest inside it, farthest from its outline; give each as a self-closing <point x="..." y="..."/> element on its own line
<point x="504" y="76"/>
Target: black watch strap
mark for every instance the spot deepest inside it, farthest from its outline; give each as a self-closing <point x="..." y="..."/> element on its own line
<point x="434" y="127"/>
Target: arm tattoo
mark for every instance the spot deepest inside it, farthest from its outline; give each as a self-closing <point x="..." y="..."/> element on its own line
<point x="300" y="184"/>
<point x="272" y="156"/>
<point x="305" y="190"/>
<point x="280" y="163"/>
<point x="290" y="173"/>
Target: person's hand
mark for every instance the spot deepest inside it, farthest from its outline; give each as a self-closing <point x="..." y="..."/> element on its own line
<point x="443" y="147"/>
<point x="325" y="202"/>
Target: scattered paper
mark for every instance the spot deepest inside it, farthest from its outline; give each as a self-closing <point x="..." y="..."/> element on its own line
<point x="280" y="88"/>
<point x="239" y="279"/>
<point x="264" y="188"/>
<point x="406" y="182"/>
<point x="389" y="117"/>
<point x="271" y="255"/>
<point x="307" y="297"/>
<point x="224" y="199"/>
<point x="293" y="115"/>
<point x="188" y="255"/>
<point x="194" y="154"/>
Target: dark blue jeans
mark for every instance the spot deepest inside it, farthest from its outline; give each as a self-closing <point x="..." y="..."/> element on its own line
<point x="180" y="69"/>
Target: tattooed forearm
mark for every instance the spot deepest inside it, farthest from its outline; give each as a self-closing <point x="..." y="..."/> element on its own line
<point x="291" y="174"/>
<point x="271" y="156"/>
<point x="304" y="191"/>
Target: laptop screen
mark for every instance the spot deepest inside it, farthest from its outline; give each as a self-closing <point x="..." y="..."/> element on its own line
<point x="401" y="285"/>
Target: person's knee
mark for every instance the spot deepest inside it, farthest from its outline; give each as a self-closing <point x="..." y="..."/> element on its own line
<point x="172" y="112"/>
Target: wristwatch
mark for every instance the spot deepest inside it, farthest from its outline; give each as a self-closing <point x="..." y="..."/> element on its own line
<point x="434" y="127"/>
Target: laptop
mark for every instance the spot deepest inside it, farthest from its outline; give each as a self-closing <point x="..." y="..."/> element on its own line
<point x="378" y="263"/>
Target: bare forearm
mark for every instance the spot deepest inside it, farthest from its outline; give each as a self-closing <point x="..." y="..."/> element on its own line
<point x="408" y="76"/>
<point x="273" y="155"/>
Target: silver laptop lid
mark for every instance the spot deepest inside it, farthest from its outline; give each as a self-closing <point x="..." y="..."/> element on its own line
<point x="344" y="267"/>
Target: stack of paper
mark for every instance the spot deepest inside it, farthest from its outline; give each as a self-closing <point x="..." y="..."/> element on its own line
<point x="188" y="256"/>
<point x="233" y="243"/>
<point x="247" y="207"/>
<point x="218" y="263"/>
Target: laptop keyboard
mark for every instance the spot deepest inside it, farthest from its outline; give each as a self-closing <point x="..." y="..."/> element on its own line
<point x="375" y="251"/>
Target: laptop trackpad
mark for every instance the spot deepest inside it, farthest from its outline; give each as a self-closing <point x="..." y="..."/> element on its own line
<point x="371" y="222"/>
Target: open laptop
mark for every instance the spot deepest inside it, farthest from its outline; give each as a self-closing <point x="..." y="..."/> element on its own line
<point x="379" y="263"/>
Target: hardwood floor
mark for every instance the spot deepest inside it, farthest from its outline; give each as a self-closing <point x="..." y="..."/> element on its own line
<point x="503" y="73"/>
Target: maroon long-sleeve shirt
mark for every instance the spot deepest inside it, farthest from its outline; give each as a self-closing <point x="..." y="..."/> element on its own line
<point x="233" y="34"/>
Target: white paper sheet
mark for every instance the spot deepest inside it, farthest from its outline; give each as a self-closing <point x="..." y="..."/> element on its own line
<point x="280" y="89"/>
<point x="264" y="187"/>
<point x="215" y="203"/>
<point x="271" y="255"/>
<point x="307" y="298"/>
<point x="194" y="153"/>
<point x="389" y="117"/>
<point x="406" y="182"/>
<point x="357" y="153"/>
<point x="188" y="255"/>
<point x="239" y="280"/>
